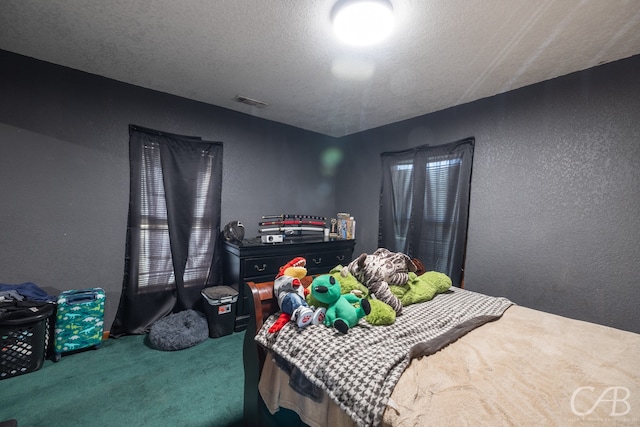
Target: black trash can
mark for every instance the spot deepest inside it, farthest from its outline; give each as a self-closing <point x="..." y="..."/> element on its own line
<point x="220" y="309"/>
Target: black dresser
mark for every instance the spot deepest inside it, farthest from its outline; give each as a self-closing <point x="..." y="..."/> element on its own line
<point x="254" y="261"/>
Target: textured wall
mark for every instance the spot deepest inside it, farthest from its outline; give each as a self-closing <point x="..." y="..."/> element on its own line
<point x="555" y="196"/>
<point x="64" y="171"/>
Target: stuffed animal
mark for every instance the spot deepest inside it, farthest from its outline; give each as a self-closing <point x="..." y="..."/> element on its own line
<point x="297" y="267"/>
<point x="381" y="313"/>
<point x="381" y="269"/>
<point x="421" y="288"/>
<point x="290" y="293"/>
<point x="344" y="310"/>
<point x="348" y="284"/>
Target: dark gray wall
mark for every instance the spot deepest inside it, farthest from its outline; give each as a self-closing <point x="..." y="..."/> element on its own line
<point x="64" y="171"/>
<point x="555" y="199"/>
<point x="554" y="221"/>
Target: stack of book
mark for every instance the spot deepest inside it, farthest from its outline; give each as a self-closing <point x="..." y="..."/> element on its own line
<point x="291" y="225"/>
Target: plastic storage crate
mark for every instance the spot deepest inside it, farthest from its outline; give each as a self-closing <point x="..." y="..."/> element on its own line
<point x="220" y="309"/>
<point x="24" y="342"/>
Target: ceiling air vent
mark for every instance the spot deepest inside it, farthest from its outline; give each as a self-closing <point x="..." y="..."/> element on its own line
<point x="252" y="102"/>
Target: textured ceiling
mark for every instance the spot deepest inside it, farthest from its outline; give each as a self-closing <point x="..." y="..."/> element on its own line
<point x="282" y="52"/>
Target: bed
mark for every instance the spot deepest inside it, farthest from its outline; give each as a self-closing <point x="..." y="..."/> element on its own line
<point x="495" y="364"/>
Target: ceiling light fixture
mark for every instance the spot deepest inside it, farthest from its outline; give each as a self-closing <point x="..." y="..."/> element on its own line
<point x="362" y="22"/>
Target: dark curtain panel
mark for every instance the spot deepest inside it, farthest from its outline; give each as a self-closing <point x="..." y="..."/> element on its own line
<point x="172" y="249"/>
<point x="424" y="204"/>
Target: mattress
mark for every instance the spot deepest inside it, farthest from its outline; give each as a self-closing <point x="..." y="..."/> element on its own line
<point x="526" y="368"/>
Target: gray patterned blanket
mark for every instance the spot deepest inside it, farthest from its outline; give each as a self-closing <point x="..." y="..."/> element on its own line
<point x="360" y="369"/>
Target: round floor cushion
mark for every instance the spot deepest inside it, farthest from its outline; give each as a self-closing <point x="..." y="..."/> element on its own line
<point x="179" y="330"/>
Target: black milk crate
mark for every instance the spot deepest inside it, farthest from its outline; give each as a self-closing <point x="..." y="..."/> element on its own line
<point x="23" y="343"/>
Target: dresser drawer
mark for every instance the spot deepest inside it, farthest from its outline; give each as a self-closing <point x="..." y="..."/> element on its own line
<point x="264" y="266"/>
<point x="252" y="260"/>
<point x="322" y="262"/>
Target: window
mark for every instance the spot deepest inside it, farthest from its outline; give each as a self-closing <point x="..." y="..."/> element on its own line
<point x="155" y="265"/>
<point x="402" y="187"/>
<point x="424" y="204"/>
<point x="174" y="222"/>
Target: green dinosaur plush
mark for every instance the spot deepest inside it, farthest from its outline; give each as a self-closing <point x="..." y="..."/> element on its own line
<point x="382" y="314"/>
<point x="343" y="311"/>
<point x="348" y="282"/>
<point x="421" y="288"/>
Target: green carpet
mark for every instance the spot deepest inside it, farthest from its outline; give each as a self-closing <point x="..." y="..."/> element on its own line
<point x="127" y="383"/>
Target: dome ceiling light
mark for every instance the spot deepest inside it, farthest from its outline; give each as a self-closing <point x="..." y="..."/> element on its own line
<point x="362" y="22"/>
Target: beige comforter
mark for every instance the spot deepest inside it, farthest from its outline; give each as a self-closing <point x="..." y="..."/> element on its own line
<point x="527" y="368"/>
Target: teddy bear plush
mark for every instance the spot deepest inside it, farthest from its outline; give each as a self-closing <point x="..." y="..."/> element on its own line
<point x="290" y="293"/>
<point x="345" y="310"/>
<point x="379" y="270"/>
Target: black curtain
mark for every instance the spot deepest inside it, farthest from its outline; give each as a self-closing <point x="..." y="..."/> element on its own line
<point x="172" y="249"/>
<point x="424" y="204"/>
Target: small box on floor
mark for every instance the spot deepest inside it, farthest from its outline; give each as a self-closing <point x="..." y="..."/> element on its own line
<point x="220" y="309"/>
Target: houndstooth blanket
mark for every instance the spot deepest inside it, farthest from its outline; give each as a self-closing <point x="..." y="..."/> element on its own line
<point x="359" y="370"/>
